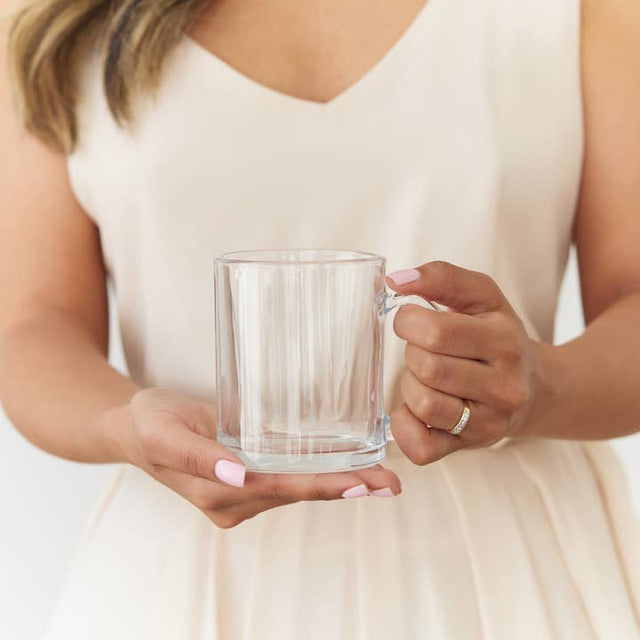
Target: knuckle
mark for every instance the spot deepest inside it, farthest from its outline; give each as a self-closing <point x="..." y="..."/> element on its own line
<point x="512" y="396"/>
<point x="409" y="352"/>
<point x="400" y="322"/>
<point x="432" y="371"/>
<point x="486" y="280"/>
<point x="510" y="351"/>
<point x="150" y="444"/>
<point x="200" y="422"/>
<point x="191" y="461"/>
<point x="317" y="490"/>
<point x="425" y="369"/>
<point x="224" y="520"/>
<point x="198" y="419"/>
<point x="442" y="269"/>
<point x="205" y="500"/>
<point x="207" y="413"/>
<point x="276" y="489"/>
<point x="511" y="348"/>
<point x="489" y="286"/>
<point x="420" y="454"/>
<point x="411" y="446"/>
<point x="435" y="336"/>
<point x="426" y="407"/>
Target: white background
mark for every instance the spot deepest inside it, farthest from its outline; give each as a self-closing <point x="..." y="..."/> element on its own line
<point x="45" y="501"/>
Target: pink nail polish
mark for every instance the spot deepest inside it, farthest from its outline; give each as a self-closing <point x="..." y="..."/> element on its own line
<point x="356" y="492"/>
<point x="383" y="493"/>
<point x="404" y="276"/>
<point x="230" y="473"/>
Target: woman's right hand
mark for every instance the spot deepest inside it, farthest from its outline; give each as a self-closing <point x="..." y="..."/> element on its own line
<point x="172" y="438"/>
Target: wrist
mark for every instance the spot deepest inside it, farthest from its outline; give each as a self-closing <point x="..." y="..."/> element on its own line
<point x="115" y="426"/>
<point x="546" y="380"/>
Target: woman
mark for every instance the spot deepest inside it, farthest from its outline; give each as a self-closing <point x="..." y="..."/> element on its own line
<point x="149" y="137"/>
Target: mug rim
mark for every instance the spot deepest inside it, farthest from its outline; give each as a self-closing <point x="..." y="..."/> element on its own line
<point x="349" y="256"/>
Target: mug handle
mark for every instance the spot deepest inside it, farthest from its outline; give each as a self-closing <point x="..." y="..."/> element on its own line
<point x="391" y="301"/>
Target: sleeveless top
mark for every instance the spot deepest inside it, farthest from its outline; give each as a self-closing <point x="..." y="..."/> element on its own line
<point x="463" y="143"/>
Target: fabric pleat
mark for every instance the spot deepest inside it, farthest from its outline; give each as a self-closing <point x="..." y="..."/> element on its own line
<point x="489" y="544"/>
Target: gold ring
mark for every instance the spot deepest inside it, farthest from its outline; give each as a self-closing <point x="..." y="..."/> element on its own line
<point x="464" y="420"/>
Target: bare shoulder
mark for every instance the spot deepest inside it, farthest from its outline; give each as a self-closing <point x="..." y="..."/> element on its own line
<point x="16" y="142"/>
<point x="611" y="61"/>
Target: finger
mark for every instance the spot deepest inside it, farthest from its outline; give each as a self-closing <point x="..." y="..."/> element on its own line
<point x="170" y="443"/>
<point x="222" y="505"/>
<point x="317" y="486"/>
<point x="285" y="488"/>
<point x="458" y="377"/>
<point x="381" y="482"/>
<point x="208" y="420"/>
<point x="449" y="333"/>
<point x="237" y="513"/>
<point x="321" y="486"/>
<point x="204" y="494"/>
<point x="460" y="289"/>
<point x="419" y="443"/>
<point x="442" y="411"/>
<point x="432" y="407"/>
<point x="262" y="491"/>
<point x="198" y="416"/>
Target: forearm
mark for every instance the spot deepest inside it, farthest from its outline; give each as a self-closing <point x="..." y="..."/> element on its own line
<point x="59" y="390"/>
<point x="589" y="388"/>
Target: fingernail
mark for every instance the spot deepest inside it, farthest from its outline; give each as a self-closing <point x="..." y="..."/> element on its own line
<point x="356" y="492"/>
<point x="230" y="473"/>
<point x="404" y="275"/>
<point x="383" y="493"/>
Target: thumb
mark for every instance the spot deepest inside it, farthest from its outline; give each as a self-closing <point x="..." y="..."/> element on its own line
<point x="459" y="289"/>
<point x="172" y="444"/>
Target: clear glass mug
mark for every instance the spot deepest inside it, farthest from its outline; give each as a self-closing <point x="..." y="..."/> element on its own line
<point x="299" y="358"/>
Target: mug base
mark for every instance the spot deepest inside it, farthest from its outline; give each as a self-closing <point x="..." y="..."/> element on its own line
<point x="331" y="462"/>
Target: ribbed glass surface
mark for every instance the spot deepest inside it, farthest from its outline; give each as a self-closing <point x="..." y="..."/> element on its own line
<point x="299" y="356"/>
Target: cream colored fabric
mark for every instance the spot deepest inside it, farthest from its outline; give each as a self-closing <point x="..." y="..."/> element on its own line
<point x="464" y="143"/>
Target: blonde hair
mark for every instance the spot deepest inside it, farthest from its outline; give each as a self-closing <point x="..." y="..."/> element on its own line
<point x="46" y="42"/>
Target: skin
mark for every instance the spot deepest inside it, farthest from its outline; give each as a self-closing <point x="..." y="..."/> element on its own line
<point x="61" y="393"/>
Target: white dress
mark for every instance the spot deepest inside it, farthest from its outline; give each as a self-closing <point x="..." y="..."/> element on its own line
<point x="464" y="143"/>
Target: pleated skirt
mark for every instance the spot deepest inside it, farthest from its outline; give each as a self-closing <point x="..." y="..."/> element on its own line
<point x="534" y="539"/>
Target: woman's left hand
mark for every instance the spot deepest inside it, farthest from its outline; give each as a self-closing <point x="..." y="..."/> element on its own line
<point x="479" y="351"/>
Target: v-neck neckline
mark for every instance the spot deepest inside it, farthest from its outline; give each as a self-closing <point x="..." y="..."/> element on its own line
<point x="366" y="78"/>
